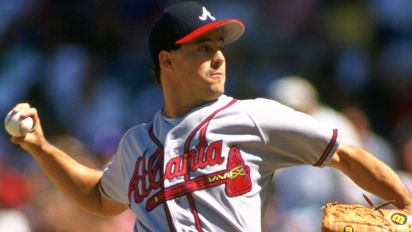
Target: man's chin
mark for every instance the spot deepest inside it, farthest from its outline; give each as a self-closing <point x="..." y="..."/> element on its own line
<point x="218" y="91"/>
<point x="214" y="95"/>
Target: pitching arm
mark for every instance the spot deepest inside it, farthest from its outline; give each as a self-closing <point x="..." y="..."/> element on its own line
<point x="372" y="175"/>
<point x="77" y="181"/>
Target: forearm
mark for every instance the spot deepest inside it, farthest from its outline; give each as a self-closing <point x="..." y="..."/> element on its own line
<point x="77" y="181"/>
<point x="372" y="175"/>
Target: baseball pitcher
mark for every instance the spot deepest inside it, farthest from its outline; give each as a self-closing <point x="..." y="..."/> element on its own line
<point x="206" y="160"/>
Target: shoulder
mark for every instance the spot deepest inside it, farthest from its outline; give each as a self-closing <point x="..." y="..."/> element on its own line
<point x="264" y="112"/>
<point x="135" y="133"/>
<point x="263" y="105"/>
<point x="271" y="114"/>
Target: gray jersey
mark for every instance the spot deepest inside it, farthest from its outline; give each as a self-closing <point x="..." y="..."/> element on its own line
<point x="212" y="169"/>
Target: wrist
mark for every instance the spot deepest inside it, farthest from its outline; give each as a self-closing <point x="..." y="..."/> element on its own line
<point x="42" y="147"/>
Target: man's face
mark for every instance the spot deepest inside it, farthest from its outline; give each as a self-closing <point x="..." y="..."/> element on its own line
<point x="199" y="66"/>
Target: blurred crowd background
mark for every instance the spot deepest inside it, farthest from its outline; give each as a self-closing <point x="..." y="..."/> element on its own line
<point x="86" y="67"/>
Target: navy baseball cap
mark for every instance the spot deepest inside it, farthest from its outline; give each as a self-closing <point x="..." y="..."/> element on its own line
<point x="185" y="22"/>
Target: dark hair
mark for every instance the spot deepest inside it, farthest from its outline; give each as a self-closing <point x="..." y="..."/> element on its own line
<point x="156" y="65"/>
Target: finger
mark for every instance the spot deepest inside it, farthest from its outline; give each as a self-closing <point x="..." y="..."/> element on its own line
<point x="21" y="106"/>
<point x="16" y="140"/>
<point x="28" y="112"/>
<point x="32" y="113"/>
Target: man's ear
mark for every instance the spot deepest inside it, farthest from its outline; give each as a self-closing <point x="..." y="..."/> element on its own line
<point x="165" y="60"/>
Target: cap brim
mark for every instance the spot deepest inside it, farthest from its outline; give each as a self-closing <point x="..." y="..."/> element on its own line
<point x="232" y="29"/>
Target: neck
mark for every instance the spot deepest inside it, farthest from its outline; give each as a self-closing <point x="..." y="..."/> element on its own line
<point x="177" y="103"/>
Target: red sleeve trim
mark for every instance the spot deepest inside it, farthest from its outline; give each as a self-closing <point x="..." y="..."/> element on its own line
<point x="328" y="149"/>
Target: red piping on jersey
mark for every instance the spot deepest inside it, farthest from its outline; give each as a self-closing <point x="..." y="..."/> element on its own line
<point x="165" y="206"/>
<point x="187" y="147"/>
<point x="328" y="149"/>
<point x="153" y="137"/>
<point x="189" y="139"/>
<point x="189" y="185"/>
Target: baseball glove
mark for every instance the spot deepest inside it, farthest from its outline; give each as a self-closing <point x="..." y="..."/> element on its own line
<point x="357" y="218"/>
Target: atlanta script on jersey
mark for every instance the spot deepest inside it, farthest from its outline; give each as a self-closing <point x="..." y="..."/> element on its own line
<point x="211" y="170"/>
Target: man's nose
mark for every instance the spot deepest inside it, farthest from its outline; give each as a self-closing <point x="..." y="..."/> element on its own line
<point x="218" y="59"/>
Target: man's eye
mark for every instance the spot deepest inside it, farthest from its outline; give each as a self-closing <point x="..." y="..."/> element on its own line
<point x="204" y="48"/>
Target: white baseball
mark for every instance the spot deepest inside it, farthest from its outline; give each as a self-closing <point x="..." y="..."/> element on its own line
<point x="16" y="126"/>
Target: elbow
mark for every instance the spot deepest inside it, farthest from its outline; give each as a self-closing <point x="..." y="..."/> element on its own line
<point x="98" y="204"/>
<point x="102" y="210"/>
<point x="344" y="157"/>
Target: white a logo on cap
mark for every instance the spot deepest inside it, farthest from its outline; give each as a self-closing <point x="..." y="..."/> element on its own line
<point x="206" y="14"/>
